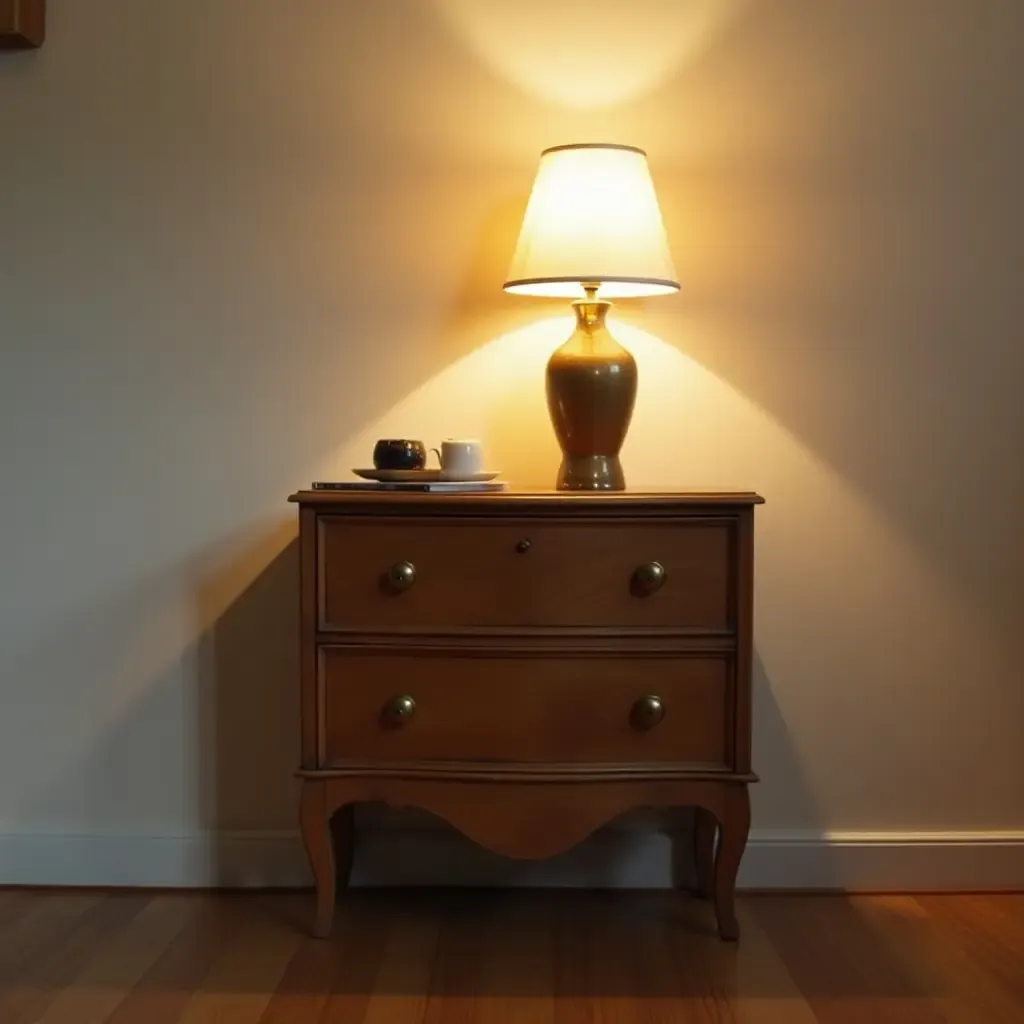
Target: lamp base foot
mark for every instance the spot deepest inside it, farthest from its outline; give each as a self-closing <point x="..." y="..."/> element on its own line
<point x="591" y="473"/>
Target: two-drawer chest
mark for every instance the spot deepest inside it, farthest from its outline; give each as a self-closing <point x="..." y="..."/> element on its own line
<point x="527" y="667"/>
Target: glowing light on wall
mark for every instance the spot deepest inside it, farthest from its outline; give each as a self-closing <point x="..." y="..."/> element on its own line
<point x="496" y="393"/>
<point x="583" y="54"/>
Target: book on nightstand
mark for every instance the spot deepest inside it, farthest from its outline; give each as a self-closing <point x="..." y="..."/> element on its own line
<point x="437" y="486"/>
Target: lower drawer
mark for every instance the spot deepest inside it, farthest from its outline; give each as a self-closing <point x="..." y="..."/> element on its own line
<point x="378" y="704"/>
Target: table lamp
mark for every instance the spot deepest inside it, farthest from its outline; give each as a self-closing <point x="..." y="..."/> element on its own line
<point x="592" y="224"/>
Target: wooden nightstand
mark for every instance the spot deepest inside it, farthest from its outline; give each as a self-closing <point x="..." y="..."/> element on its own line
<point x="527" y="667"/>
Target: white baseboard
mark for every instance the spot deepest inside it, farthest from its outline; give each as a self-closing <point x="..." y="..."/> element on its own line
<point x="897" y="861"/>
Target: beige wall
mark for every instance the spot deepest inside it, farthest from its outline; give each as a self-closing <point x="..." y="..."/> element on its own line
<point x="241" y="239"/>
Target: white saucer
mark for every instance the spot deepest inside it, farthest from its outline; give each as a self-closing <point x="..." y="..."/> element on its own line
<point x="423" y="476"/>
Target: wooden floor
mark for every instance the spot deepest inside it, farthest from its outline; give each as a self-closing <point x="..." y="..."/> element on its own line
<point x="511" y="956"/>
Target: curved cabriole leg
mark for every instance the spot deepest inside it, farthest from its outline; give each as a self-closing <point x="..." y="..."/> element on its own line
<point x="315" y="822"/>
<point x="734" y="821"/>
<point x="704" y="828"/>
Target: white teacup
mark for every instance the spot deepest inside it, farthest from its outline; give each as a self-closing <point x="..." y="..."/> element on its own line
<point x="460" y="459"/>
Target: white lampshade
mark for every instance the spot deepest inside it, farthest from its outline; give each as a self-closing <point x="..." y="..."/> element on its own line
<point x="592" y="217"/>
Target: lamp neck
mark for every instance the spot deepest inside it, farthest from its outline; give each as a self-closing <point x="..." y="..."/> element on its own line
<point x="590" y="311"/>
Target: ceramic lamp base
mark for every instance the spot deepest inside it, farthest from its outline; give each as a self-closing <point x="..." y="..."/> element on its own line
<point x="591" y="387"/>
<point x="591" y="473"/>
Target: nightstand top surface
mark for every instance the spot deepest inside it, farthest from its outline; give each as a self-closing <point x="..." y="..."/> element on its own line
<point x="626" y="500"/>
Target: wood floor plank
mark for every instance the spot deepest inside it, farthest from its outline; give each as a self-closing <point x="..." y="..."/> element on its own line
<point x="966" y="991"/>
<point x="763" y="990"/>
<point x="1009" y="904"/>
<point x="305" y="986"/>
<point x="455" y="986"/>
<point x="1005" y="914"/>
<point x="361" y="931"/>
<point x="41" y="979"/>
<point x="402" y="986"/>
<point x="493" y="961"/>
<point x="41" y="922"/>
<point x="242" y="980"/>
<point x="631" y="974"/>
<point x="163" y="991"/>
<point x="647" y="957"/>
<point x="704" y="966"/>
<point x="852" y="958"/>
<point x="569" y="925"/>
<point x="983" y="947"/>
<point x="515" y="976"/>
<point x="302" y="993"/>
<point x="990" y="928"/>
<point x="14" y="905"/>
<point x="528" y="956"/>
<point x="116" y="966"/>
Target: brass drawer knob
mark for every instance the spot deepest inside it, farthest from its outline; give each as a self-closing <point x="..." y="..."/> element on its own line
<point x="402" y="575"/>
<point x="524" y="545"/>
<point x="400" y="709"/>
<point x="648" y="711"/>
<point x="649" y="577"/>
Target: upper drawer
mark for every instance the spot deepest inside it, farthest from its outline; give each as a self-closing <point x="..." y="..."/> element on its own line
<point x="400" y="574"/>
